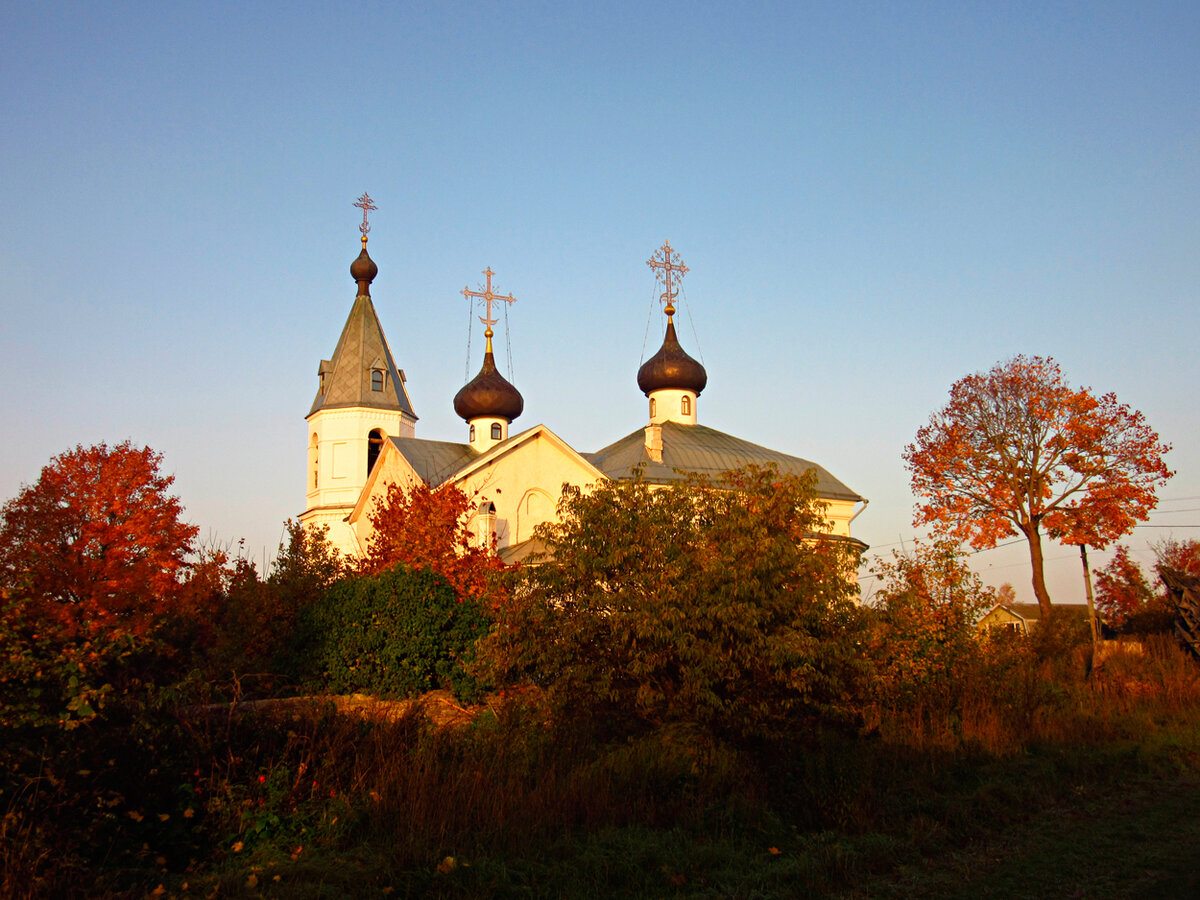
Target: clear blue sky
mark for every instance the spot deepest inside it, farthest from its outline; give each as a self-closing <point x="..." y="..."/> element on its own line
<point x="874" y="200"/>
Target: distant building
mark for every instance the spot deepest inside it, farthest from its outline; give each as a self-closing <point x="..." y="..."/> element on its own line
<point x="1024" y="618"/>
<point x="361" y="437"/>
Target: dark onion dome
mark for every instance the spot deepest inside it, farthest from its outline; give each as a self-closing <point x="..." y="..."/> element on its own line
<point x="671" y="368"/>
<point x="489" y="395"/>
<point x="363" y="270"/>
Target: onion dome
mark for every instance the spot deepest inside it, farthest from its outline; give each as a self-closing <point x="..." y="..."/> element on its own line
<point x="363" y="270"/>
<point x="489" y="395"/>
<point x="671" y="368"/>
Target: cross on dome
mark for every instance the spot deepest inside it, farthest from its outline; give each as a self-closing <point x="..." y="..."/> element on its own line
<point x="364" y="203"/>
<point x="664" y="262"/>
<point x="488" y="296"/>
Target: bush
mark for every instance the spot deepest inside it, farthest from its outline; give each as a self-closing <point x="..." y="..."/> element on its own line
<point x="716" y="608"/>
<point x="396" y="634"/>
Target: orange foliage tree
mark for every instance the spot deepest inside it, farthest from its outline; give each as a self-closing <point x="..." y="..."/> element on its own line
<point x="97" y="542"/>
<point x="929" y="601"/>
<point x="1019" y="451"/>
<point x="426" y="528"/>
<point x="1121" y="589"/>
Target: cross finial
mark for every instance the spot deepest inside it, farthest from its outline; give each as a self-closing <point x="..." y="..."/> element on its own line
<point x="488" y="296"/>
<point x="364" y="203"/>
<point x="664" y="262"/>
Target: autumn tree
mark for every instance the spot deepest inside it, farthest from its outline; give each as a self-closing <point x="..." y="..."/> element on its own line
<point x="928" y="602"/>
<point x="1016" y="450"/>
<point x="1121" y="589"/>
<point x="718" y="607"/>
<point x="97" y="541"/>
<point x="1182" y="556"/>
<point x="427" y="528"/>
<point x="1134" y="603"/>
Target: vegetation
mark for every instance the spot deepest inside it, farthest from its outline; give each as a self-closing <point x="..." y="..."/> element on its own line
<point x="396" y="634"/>
<point x="1124" y="595"/>
<point x="1016" y="450"/>
<point x="717" y="608"/>
<point x="689" y="704"/>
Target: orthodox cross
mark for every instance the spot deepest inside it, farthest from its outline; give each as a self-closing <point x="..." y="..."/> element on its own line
<point x="668" y="261"/>
<point x="364" y="203"/>
<point x="488" y="296"/>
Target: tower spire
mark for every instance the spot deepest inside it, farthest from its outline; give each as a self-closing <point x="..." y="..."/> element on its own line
<point x="488" y="296"/>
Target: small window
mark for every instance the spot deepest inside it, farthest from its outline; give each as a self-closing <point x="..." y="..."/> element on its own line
<point x="377" y="379"/>
<point x="653" y="406"/>
<point x="495" y="431"/>
<point x="472" y="438"/>
<point x="685" y="406"/>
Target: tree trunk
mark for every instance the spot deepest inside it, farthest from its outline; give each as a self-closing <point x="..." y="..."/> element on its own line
<point x="1039" y="576"/>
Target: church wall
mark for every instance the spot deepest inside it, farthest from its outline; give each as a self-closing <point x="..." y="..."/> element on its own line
<point x="524" y="485"/>
<point x="337" y="466"/>
<point x="839" y="513"/>
<point x="341" y="453"/>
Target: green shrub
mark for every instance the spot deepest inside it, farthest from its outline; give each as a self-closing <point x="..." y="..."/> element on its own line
<point x="715" y="607"/>
<point x="396" y="634"/>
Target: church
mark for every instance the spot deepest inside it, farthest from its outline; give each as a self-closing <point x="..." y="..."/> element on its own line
<point x="362" y="434"/>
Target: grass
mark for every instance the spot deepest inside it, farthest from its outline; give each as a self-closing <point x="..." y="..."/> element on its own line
<point x="1084" y="788"/>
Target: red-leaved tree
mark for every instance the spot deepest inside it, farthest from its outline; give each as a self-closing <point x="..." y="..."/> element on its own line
<point x="1121" y="589"/>
<point x="1019" y="451"/>
<point x="423" y="527"/>
<point x="97" y="541"/>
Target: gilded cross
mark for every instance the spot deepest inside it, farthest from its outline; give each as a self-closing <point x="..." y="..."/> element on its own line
<point x="488" y="296"/>
<point x="668" y="261"/>
<point x="364" y="203"/>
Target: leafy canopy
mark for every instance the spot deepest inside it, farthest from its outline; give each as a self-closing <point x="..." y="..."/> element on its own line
<point x="1016" y="450"/>
<point x="720" y="606"/>
<point x="423" y="527"/>
<point x="97" y="540"/>
<point x="928" y="601"/>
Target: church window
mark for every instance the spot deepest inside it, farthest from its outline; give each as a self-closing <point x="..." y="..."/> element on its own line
<point x="472" y="438"/>
<point x="685" y="406"/>
<point x="374" y="445"/>
<point x="653" y="407"/>
<point x="313" y="454"/>
<point x="377" y="379"/>
<point x="495" y="431"/>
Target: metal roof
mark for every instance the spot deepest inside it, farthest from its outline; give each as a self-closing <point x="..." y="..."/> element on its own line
<point x="434" y="461"/>
<point x="698" y="449"/>
<point x="347" y="376"/>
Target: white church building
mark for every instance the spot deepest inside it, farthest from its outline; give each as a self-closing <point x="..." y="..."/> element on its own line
<point x="361" y="435"/>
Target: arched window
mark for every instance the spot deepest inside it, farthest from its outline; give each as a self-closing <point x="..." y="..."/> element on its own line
<point x="685" y="405"/>
<point x="495" y="431"/>
<point x="653" y="405"/>
<point x="314" y="461"/>
<point x="374" y="445"/>
<point x="377" y="379"/>
<point x="472" y="437"/>
<point x="486" y="525"/>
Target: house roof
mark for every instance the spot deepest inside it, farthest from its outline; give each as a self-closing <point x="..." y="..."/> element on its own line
<point x="698" y="449"/>
<point x="1031" y="612"/>
<point x="362" y="348"/>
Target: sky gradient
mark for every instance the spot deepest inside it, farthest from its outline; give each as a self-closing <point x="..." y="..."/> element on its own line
<point x="873" y="199"/>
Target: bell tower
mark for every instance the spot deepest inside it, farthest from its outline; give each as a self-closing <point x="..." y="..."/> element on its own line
<point x="361" y="402"/>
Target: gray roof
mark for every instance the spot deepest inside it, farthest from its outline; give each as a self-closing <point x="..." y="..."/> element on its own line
<point x="435" y="461"/>
<point x="704" y="451"/>
<point x="347" y="376"/>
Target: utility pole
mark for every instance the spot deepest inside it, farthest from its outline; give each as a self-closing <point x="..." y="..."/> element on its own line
<point x="1087" y="582"/>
